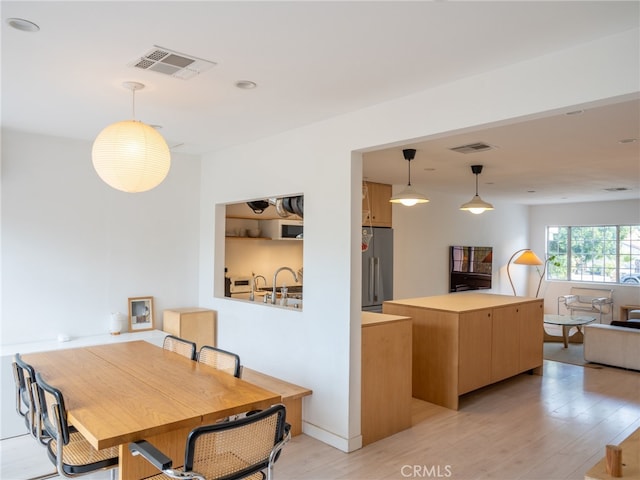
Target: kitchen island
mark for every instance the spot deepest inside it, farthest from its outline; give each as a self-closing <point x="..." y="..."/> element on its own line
<point x="465" y="341"/>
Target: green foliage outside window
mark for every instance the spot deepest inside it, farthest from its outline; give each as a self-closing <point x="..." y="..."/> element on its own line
<point x="602" y="253"/>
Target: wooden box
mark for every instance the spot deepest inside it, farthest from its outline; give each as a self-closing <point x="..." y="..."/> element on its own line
<point x="195" y="324"/>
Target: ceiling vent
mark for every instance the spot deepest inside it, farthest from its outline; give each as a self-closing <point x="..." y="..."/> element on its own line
<point x="473" y="147"/>
<point x="165" y="61"/>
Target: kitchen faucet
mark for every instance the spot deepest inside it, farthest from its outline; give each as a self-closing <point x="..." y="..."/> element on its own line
<point x="275" y="277"/>
<point x="254" y="285"/>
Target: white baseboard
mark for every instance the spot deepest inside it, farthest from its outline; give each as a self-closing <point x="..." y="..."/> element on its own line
<point x="344" y="444"/>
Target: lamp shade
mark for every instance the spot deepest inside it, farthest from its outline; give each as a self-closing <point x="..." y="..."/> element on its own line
<point x="131" y="156"/>
<point x="409" y="197"/>
<point x="528" y="258"/>
<point x="476" y="205"/>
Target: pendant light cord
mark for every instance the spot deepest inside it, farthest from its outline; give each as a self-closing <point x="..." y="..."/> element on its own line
<point x="133" y="103"/>
<point x="409" y="164"/>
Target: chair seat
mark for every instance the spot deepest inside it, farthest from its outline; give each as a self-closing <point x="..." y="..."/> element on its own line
<point x="79" y="456"/>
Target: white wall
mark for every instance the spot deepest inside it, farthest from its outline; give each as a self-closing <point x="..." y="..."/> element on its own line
<point x="263" y="257"/>
<point x="319" y="347"/>
<point x="74" y="249"/>
<point x="424" y="233"/>
<point x="605" y="213"/>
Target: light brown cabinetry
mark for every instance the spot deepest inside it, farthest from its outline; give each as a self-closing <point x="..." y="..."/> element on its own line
<point x="531" y="336"/>
<point x="194" y="324"/>
<point x="386" y="375"/>
<point x="376" y="209"/>
<point x="465" y="341"/>
<point x="474" y="354"/>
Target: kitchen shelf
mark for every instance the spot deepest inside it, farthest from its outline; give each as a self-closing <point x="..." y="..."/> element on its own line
<point x="236" y="237"/>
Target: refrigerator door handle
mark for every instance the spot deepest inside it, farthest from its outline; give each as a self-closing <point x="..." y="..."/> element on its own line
<point x="371" y="278"/>
<point x="376" y="283"/>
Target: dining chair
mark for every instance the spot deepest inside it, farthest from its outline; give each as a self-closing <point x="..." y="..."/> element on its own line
<point x="180" y="346"/>
<point x="242" y="448"/>
<point x="68" y="450"/>
<point x="220" y="359"/>
<point x="24" y="376"/>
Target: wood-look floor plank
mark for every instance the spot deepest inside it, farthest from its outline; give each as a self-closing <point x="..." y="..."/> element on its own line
<point x="553" y="427"/>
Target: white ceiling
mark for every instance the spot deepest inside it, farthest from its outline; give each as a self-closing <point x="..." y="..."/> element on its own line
<point x="316" y="60"/>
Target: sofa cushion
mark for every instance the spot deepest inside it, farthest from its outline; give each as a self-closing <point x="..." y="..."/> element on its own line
<point x="611" y="345"/>
<point x="627" y="324"/>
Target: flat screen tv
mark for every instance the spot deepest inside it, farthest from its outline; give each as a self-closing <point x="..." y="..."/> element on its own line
<point x="470" y="268"/>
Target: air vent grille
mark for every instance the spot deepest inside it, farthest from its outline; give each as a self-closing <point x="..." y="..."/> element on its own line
<point x="166" y="61"/>
<point x="473" y="148"/>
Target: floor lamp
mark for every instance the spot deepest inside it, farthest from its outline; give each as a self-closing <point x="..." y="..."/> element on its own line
<point x="527" y="258"/>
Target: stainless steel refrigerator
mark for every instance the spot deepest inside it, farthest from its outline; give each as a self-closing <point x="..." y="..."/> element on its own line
<point x="377" y="269"/>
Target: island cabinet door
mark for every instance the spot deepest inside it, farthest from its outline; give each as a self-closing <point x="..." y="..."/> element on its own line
<point x="531" y="335"/>
<point x="505" y="346"/>
<point x="474" y="350"/>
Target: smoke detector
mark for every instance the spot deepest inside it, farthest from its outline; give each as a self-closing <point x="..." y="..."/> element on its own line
<point x="168" y="62"/>
<point x="473" y="148"/>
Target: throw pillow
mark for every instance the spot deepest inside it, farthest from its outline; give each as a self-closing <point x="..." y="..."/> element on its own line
<point x="628" y="324"/>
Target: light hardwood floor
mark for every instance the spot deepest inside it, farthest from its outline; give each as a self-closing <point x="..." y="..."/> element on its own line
<point x="528" y="427"/>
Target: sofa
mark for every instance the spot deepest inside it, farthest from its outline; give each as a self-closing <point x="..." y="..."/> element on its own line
<point x="617" y="344"/>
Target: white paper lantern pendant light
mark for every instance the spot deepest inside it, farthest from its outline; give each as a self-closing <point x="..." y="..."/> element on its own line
<point x="131" y="156"/>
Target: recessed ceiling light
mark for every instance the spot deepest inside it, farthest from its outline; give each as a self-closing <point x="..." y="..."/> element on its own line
<point x="628" y="140"/>
<point x="246" y="84"/>
<point x="22" y="25"/>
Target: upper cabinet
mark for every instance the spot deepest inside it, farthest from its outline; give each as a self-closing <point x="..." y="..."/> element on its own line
<point x="376" y="208"/>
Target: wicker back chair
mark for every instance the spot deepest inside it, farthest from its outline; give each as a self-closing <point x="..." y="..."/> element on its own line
<point x="180" y="346"/>
<point x="25" y="378"/>
<point x="237" y="449"/>
<point x="68" y="450"/>
<point x="220" y="359"/>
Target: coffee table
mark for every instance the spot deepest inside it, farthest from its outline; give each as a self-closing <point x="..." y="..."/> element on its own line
<point x="568" y="321"/>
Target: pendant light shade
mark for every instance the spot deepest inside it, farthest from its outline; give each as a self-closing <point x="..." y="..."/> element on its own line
<point x="476" y="205"/>
<point x="130" y="155"/>
<point x="409" y="196"/>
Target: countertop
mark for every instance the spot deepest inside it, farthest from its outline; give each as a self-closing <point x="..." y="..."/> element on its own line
<point x="152" y="336"/>
<point x="371" y="318"/>
<point x="462" y="302"/>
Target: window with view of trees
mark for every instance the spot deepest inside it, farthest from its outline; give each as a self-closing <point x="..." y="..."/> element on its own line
<point x="602" y="254"/>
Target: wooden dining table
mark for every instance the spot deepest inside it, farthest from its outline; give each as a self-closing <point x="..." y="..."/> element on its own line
<point x="124" y="392"/>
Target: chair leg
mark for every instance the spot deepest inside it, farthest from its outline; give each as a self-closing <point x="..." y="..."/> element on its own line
<point x="46" y="475"/>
